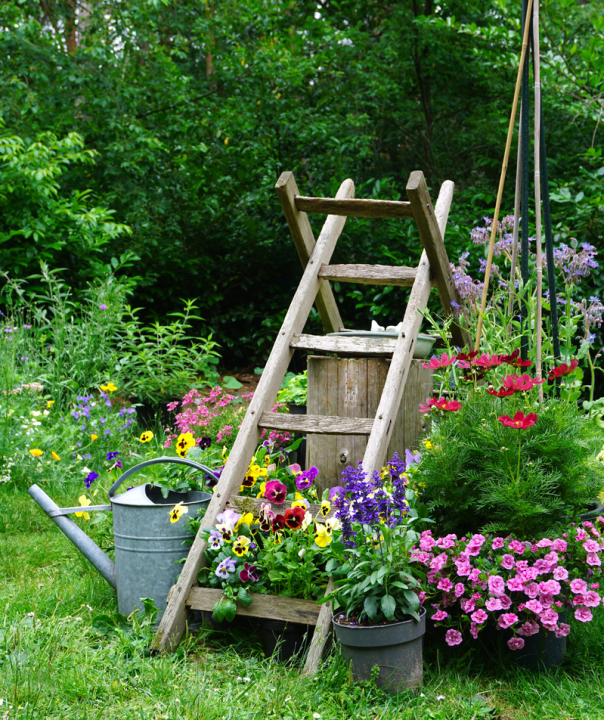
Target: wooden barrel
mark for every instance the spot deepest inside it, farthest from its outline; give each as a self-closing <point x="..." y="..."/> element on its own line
<point x="352" y="387"/>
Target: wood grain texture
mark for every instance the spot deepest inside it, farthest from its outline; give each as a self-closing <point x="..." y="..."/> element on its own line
<point x="432" y="231"/>
<point x="324" y="424"/>
<point x="304" y="241"/>
<point x="320" y="636"/>
<point x="345" y="345"/>
<point x="390" y="401"/>
<point x="370" y="274"/>
<point x="353" y="387"/>
<point x="272" y="607"/>
<point x="355" y="208"/>
<point x="173" y="622"/>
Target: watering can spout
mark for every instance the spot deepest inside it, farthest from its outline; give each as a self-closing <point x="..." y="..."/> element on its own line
<point x="89" y="549"/>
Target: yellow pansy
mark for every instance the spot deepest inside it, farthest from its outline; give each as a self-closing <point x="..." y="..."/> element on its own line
<point x="301" y="503"/>
<point x="333" y="524"/>
<point x="177" y="511"/>
<point x="261" y="490"/>
<point x="241" y="546"/>
<point x="84" y="502"/>
<point x="245" y="519"/>
<point x="323" y="535"/>
<point x="184" y="443"/>
<point x="55" y="456"/>
<point x="146" y="436"/>
<point x="36" y="453"/>
<point x="225" y="454"/>
<point x="325" y="508"/>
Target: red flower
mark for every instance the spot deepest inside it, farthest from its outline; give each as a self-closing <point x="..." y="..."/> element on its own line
<point x="466" y="360"/>
<point x="443" y="361"/>
<point x="294" y="517"/>
<point x="275" y="491"/>
<point x="514" y="360"/>
<point x="520" y="383"/>
<point x="486" y="363"/>
<point x="500" y="393"/>
<point x="562" y="370"/>
<point x="278" y="523"/>
<point x="440" y="404"/>
<point x="519" y="421"/>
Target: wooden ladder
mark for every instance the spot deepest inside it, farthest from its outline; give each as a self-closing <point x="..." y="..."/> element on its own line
<point x="314" y="287"/>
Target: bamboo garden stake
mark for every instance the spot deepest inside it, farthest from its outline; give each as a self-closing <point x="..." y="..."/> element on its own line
<point x="539" y="259"/>
<point x="506" y="156"/>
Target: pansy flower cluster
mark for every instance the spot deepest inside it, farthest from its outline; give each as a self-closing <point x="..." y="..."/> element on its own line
<point x="520" y="587"/>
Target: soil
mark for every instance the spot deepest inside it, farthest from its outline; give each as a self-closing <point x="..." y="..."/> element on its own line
<point x="353" y="621"/>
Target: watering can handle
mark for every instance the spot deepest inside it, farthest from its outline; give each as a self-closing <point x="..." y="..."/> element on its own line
<point x="157" y="461"/>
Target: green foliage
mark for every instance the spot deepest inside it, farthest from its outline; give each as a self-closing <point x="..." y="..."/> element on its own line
<point x="478" y="475"/>
<point x="294" y="391"/>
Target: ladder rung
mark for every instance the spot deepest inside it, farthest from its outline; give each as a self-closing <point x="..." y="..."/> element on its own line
<point x="370" y="274"/>
<point x="321" y="424"/>
<point x="355" y="208"/>
<point x="342" y="345"/>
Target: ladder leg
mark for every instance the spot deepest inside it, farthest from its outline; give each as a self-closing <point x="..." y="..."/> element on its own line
<point x="392" y="394"/>
<point x="173" y="621"/>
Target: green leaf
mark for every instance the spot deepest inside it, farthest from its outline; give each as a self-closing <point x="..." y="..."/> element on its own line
<point x="388" y="605"/>
<point x="244" y="598"/>
<point x="371" y="606"/>
<point x="412" y="599"/>
<point x="229" y="609"/>
<point x="218" y="612"/>
<point x="231" y="383"/>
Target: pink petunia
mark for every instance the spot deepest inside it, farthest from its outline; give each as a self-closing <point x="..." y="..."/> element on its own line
<point x="559" y="545"/>
<point x="591" y="546"/>
<point x="508" y="562"/>
<point x="453" y="637"/>
<point x="560" y="573"/>
<point x="479" y="616"/>
<point x="516" y="547"/>
<point x="592" y="599"/>
<point x="593" y="559"/>
<point x="496" y="585"/>
<point x="583" y="614"/>
<point x="562" y="630"/>
<point x="578" y="586"/>
<point x="440" y="615"/>
<point x="545" y="542"/>
<point x="550" y="587"/>
<point x="506" y="602"/>
<point x="474" y="575"/>
<point x="493" y="604"/>
<point x="426" y="543"/>
<point x="439" y="562"/>
<point x="474" y="630"/>
<point x="515" y="584"/>
<point x="506" y="620"/>
<point x="497" y="543"/>
<point x="459" y="589"/>
<point x="581" y="535"/>
<point x="463" y="568"/>
<point x="446" y="542"/>
<point x="535" y="606"/>
<point x="549" y="619"/>
<point x="530" y="627"/>
<point x="467" y="605"/>
<point x="515" y="643"/>
<point x="444" y="584"/>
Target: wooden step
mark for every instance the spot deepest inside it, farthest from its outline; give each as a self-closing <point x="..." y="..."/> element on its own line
<point x="370" y="274"/>
<point x="342" y="345"/>
<point x="274" y="607"/>
<point x="324" y="424"/>
<point x="352" y="207"/>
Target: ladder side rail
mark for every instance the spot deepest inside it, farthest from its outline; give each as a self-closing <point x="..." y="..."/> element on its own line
<point x="304" y="241"/>
<point x="392" y="394"/>
<point x="173" y="622"/>
<point x="432" y="233"/>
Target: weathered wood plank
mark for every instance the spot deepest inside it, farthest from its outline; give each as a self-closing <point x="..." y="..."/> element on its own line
<point x="324" y="424"/>
<point x="355" y="208"/>
<point x="173" y="621"/>
<point x="273" y="607"/>
<point x="370" y="274"/>
<point x="403" y="353"/>
<point x="320" y="636"/>
<point x="345" y="345"/>
<point x="432" y="231"/>
<point x="304" y="241"/>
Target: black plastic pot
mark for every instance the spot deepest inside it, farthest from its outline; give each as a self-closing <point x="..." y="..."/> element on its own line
<point x="284" y="641"/>
<point x="396" y="649"/>
<point x="543" y="650"/>
<point x="592" y="511"/>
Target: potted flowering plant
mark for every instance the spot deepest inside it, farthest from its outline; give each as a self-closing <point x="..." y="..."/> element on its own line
<point x="379" y="620"/>
<point x="525" y="589"/>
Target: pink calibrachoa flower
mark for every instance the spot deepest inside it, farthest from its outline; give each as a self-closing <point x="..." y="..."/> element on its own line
<point x="440" y="615"/>
<point x="578" y="586"/>
<point x="515" y="643"/>
<point x="474" y="630"/>
<point x="549" y="619"/>
<point x="546" y="542"/>
<point x="583" y="614"/>
<point x="445" y="584"/>
<point x="535" y="606"/>
<point x="508" y="562"/>
<point x="560" y="573"/>
<point x="498" y="542"/>
<point x="479" y="616"/>
<point x="506" y="620"/>
<point x="592" y="599"/>
<point x="591" y="546"/>
<point x="562" y="630"/>
<point x="493" y="604"/>
<point x="459" y="589"/>
<point x="506" y="602"/>
<point x="515" y="584"/>
<point x="453" y="637"/>
<point x="530" y="627"/>
<point x="496" y="585"/>
<point x="516" y="547"/>
<point x="593" y="560"/>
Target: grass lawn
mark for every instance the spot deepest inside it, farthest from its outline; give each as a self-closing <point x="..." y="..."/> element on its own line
<point x="57" y="661"/>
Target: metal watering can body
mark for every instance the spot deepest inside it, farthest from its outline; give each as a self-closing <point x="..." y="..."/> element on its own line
<point x="147" y="545"/>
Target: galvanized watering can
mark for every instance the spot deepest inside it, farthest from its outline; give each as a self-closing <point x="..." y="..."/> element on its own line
<point x="147" y="545"/>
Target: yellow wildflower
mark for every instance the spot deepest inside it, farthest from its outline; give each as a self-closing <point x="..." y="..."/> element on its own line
<point x="55" y="456"/>
<point x="177" y="511"/>
<point x="428" y="445"/>
<point x="94" y="437"/>
<point x="146" y="436"/>
<point x="50" y="403"/>
<point x="36" y="453"/>
<point x="110" y="387"/>
<point x="84" y="502"/>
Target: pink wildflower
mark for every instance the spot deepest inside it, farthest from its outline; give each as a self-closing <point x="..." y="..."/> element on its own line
<point x="583" y="614"/>
<point x="515" y="643"/>
<point x="443" y="361"/>
<point x="578" y="586"/>
<point x="562" y="630"/>
<point x="535" y="606"/>
<point x="497" y="543"/>
<point x="479" y="616"/>
<point x="508" y="562"/>
<point x="496" y="585"/>
<point x="440" y="615"/>
<point x="453" y="637"/>
<point x="506" y="620"/>
<point x="493" y="604"/>
<point x="592" y="599"/>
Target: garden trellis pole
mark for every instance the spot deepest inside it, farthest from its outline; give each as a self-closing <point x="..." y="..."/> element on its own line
<point x="506" y="156"/>
<point x="433" y="270"/>
<point x="537" y="148"/>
